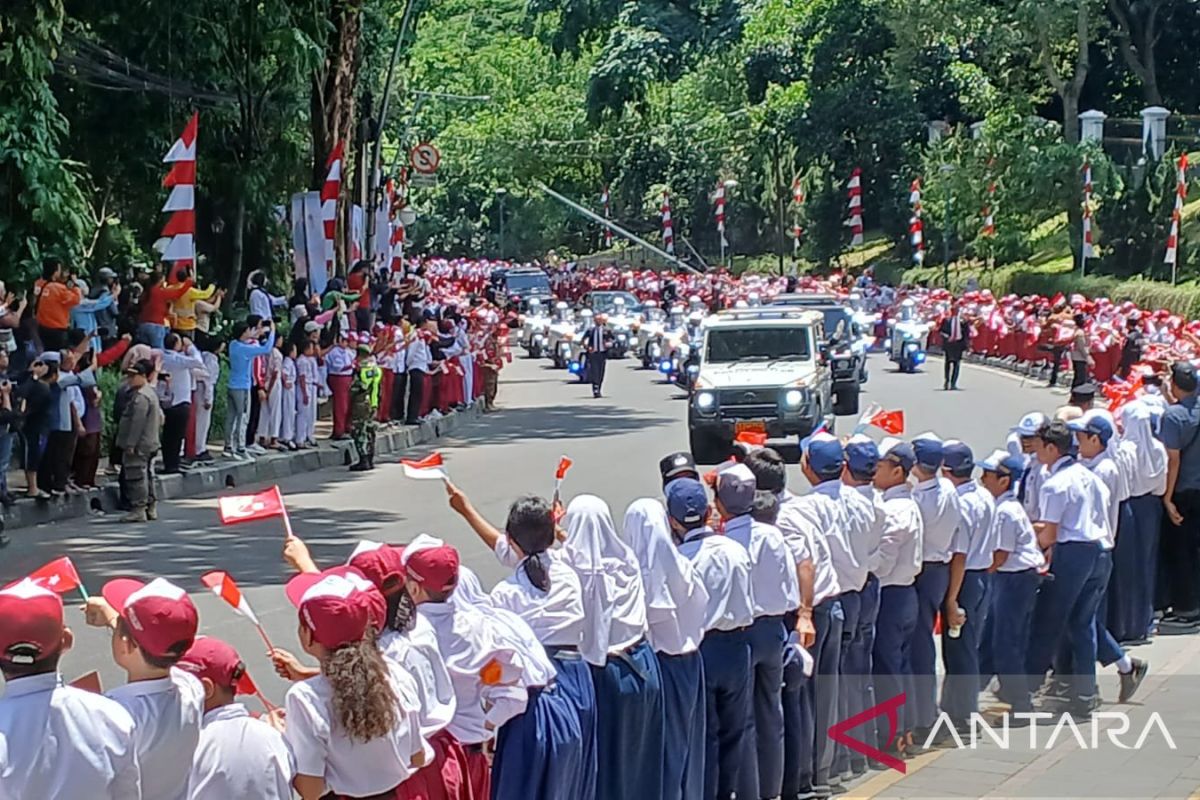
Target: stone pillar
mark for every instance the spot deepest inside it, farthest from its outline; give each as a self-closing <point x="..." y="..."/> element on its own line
<point x="1154" y="131"/>
<point x="1091" y="126"/>
<point x="977" y="130"/>
<point x="938" y="128"/>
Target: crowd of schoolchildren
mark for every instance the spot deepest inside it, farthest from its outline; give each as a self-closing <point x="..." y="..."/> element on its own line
<point x="700" y="649"/>
<point x="434" y="350"/>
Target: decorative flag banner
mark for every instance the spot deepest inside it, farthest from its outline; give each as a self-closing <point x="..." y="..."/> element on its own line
<point x="668" y="229"/>
<point x="330" y="191"/>
<point x="59" y="576"/>
<point x="604" y="201"/>
<point x="855" y="220"/>
<point x="223" y="586"/>
<point x="178" y="241"/>
<point x="989" y="219"/>
<point x="429" y="468"/>
<point x="1177" y="215"/>
<point x="797" y="235"/>
<point x="1088" y="250"/>
<point x="249" y="507"/>
<point x="797" y="191"/>
<point x="916" y="228"/>
<point x="719" y="213"/>
<point x="395" y="203"/>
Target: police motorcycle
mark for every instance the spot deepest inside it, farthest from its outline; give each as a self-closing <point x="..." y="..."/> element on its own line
<point x="561" y="332"/>
<point x="909" y="335"/>
<point x="866" y="319"/>
<point x="688" y="368"/>
<point x="649" y="330"/>
<point x="674" y="344"/>
<point x="620" y="322"/>
<point x="535" y="329"/>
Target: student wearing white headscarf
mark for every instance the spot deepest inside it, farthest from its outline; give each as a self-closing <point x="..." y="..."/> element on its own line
<point x="675" y="604"/>
<point x="629" y="701"/>
<point x="1135" y="559"/>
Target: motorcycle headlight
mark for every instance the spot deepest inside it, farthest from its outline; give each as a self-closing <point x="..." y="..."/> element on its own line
<point x="665" y="367"/>
<point x="842" y="363"/>
<point x="793" y="398"/>
<point x="910" y="346"/>
<point x="621" y="337"/>
<point x="706" y="401"/>
<point x="633" y="341"/>
<point x="537" y="338"/>
<point x="919" y="357"/>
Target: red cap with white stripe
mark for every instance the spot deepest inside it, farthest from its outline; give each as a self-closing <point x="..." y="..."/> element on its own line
<point x="160" y="615"/>
<point x="31" y="623"/>
<point x="336" y="605"/>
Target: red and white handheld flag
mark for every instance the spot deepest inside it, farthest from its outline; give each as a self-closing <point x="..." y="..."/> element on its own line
<point x="223" y="586"/>
<point x="564" y="464"/>
<point x="330" y="191"/>
<point x="178" y="241"/>
<point x="916" y="228"/>
<point x="430" y="468"/>
<point x="1088" y="250"/>
<point x="751" y="438"/>
<point x="59" y="576"/>
<point x="1177" y="214"/>
<point x="249" y="507"/>
<point x="668" y="229"/>
<point x="888" y="421"/>
<point x="855" y="220"/>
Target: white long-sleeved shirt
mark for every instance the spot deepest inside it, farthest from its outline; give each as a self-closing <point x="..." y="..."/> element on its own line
<point x="178" y="365"/>
<point x="340" y="361"/>
<point x="940" y="514"/>
<point x="864" y="528"/>
<point x="418" y="356"/>
<point x="898" y="559"/>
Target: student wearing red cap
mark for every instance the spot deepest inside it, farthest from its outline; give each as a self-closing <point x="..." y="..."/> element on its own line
<point x="353" y="730"/>
<point x="238" y="756"/>
<point x="56" y="742"/>
<point x="153" y="625"/>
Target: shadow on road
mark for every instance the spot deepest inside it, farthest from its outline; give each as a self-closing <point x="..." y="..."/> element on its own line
<point x="582" y="421"/>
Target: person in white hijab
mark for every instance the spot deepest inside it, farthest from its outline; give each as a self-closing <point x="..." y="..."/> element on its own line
<point x="675" y="604"/>
<point x="1135" y="559"/>
<point x="625" y="671"/>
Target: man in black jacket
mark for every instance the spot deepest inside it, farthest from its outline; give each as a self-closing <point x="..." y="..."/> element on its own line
<point x="956" y="335"/>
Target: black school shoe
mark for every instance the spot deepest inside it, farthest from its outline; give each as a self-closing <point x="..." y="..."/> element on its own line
<point x="1130" y="681"/>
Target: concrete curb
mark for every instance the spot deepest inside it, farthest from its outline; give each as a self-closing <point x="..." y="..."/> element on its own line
<point x="1036" y="372"/>
<point x="214" y="478"/>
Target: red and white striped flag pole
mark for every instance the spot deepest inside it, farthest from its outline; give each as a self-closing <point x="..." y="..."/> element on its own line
<point x="1176" y="217"/>
<point x="329" y="199"/>
<point x="178" y="241"/>
<point x="604" y="201"/>
<point x="855" y="221"/>
<point x="916" y="227"/>
<point x="719" y="213"/>
<point x="798" y="201"/>
<point x="668" y="230"/>
<point x="797" y="191"/>
<point x="989" y="210"/>
<point x="1088" y="251"/>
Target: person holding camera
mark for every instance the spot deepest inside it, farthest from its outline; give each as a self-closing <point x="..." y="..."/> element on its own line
<point x="55" y="295"/>
<point x="243" y="349"/>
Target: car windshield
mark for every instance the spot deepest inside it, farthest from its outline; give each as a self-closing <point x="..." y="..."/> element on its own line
<point x="758" y="344"/>
<point x="524" y="281"/>
<point x="605" y="302"/>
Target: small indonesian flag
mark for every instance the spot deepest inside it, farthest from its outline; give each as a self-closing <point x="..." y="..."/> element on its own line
<point x="247" y="686"/>
<point x="564" y="464"/>
<point x="59" y="576"/>
<point x="427" y="469"/>
<point x="248" y="507"/>
<point x="223" y="586"/>
<point x="752" y="438"/>
<point x="888" y="421"/>
<point x="88" y="682"/>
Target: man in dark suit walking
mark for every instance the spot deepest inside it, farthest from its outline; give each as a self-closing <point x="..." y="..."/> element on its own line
<point x="956" y="335"/>
<point x="599" y="340"/>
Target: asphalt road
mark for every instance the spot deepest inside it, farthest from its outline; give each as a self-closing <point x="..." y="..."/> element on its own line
<point x="615" y="443"/>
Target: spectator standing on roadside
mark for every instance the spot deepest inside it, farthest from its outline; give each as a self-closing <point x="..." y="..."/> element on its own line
<point x="262" y="302"/>
<point x="308" y="378"/>
<point x="1131" y="348"/>
<point x="54" y="298"/>
<point x="1180" y="434"/>
<point x="1081" y="358"/>
<point x="244" y="348"/>
<point x="8" y="419"/>
<point x="156" y="301"/>
<point x="180" y="359"/>
<point x="138" y="437"/>
<point x="493" y="362"/>
<point x="204" y="382"/>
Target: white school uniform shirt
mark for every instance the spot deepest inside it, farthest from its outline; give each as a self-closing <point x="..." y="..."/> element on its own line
<point x="1077" y="501"/>
<point x="898" y="559"/>
<point x="976" y="535"/>
<point x="676" y="598"/>
<point x="938" y="502"/>
<point x="205" y="378"/>
<point x="1031" y="487"/>
<point x="807" y="543"/>
<point x="166" y="717"/>
<point x="555" y="616"/>
<point x="724" y="567"/>
<point x="416" y="650"/>
<point x="864" y="529"/>
<point x="418" y="355"/>
<point x="351" y="767"/>
<point x="62" y="743"/>
<point x="825" y="509"/>
<point x="178" y="366"/>
<point x="773" y="582"/>
<point x="614" y="600"/>
<point x="1150" y="456"/>
<point x="468" y="642"/>
<point x="240" y="756"/>
<point x="1105" y="467"/>
<point x="339" y="361"/>
<point x="1015" y="536"/>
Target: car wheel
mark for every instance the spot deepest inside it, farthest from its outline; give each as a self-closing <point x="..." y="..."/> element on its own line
<point x="708" y="449"/>
<point x="846" y="403"/>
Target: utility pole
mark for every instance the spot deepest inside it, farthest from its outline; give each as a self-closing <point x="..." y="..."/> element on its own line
<point x="777" y="159"/>
<point x="947" y="170"/>
<point x="501" y="194"/>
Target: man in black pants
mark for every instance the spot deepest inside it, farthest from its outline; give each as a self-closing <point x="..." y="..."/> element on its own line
<point x="956" y="335"/>
<point x="180" y="357"/>
<point x="1181" y="531"/>
<point x="418" y="357"/>
<point x="599" y="339"/>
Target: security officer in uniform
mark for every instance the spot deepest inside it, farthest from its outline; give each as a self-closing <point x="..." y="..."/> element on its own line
<point x="364" y="401"/>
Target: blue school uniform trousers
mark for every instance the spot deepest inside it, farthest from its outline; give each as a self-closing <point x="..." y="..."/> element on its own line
<point x="729" y="715"/>
<point x="684" y="718"/>
<point x="629" y="724"/>
<point x="930" y="586"/>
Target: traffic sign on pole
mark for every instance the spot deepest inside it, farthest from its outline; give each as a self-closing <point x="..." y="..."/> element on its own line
<point x="425" y="158"/>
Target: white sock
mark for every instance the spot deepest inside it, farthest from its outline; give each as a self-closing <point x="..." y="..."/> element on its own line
<point x="1125" y="664"/>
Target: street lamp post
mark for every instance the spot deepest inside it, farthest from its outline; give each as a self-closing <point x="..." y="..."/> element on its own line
<point x="730" y="185"/>
<point x="947" y="170"/>
<point x="501" y="194"/>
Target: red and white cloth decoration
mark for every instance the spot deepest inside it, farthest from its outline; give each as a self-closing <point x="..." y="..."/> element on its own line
<point x="1089" y="251"/>
<point x="797" y="235"/>
<point x="668" y="229"/>
<point x="330" y="191"/>
<point x="989" y="219"/>
<point x="395" y="203"/>
<point x="178" y="242"/>
<point x="605" y="201"/>
<point x="797" y="191"/>
<point x="1177" y="213"/>
<point x="916" y="228"/>
<point x="855" y="221"/>
<point x="719" y="213"/>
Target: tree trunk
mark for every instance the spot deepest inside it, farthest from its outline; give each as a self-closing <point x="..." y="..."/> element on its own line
<point x="238" y="254"/>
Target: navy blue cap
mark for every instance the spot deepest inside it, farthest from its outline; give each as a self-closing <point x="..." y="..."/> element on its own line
<point x="957" y="457"/>
<point x="686" y="500"/>
<point x="1005" y="463"/>
<point x="1095" y="424"/>
<point x="898" y="451"/>
<point x="927" y="449"/>
<point x="862" y="454"/>
<point x="824" y="453"/>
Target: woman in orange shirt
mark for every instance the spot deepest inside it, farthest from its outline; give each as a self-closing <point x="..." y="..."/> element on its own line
<point x="54" y="300"/>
